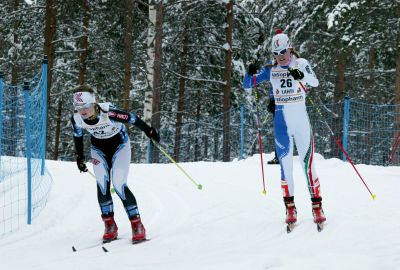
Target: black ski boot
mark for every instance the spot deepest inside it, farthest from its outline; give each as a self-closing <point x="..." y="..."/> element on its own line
<point x="275" y="160"/>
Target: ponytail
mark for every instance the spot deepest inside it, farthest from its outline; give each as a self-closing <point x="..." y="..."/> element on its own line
<point x="295" y="53"/>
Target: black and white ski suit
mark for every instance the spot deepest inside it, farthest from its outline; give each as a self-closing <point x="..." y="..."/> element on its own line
<point x="110" y="153"/>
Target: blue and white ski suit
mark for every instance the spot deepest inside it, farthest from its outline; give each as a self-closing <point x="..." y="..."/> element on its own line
<point x="291" y="121"/>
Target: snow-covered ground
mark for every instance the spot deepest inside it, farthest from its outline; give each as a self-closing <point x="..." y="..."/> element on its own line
<point x="227" y="225"/>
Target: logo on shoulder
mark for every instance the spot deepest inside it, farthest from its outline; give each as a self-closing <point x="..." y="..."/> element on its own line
<point x="122" y="116"/>
<point x="118" y="115"/>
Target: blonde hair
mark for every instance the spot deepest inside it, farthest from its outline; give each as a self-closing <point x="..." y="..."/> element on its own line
<point x="84" y="88"/>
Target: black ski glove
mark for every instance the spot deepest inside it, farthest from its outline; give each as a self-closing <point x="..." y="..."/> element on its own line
<point x="271" y="106"/>
<point x="296" y="73"/>
<point x="80" y="161"/>
<point x="153" y="134"/>
<point x="252" y="68"/>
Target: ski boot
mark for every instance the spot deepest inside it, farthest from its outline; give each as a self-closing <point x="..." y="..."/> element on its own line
<point x="275" y="160"/>
<point x="291" y="213"/>
<point x="318" y="213"/>
<point x="138" y="230"/>
<point x="111" y="229"/>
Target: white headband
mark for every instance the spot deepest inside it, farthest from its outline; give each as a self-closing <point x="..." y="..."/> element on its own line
<point x="83" y="98"/>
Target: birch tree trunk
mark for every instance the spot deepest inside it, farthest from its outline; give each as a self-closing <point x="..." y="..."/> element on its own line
<point x="148" y="95"/>
<point x="128" y="52"/>
<point x="152" y="95"/>
<point x="48" y="48"/>
<point x="84" y="43"/>
<point x="151" y="51"/>
<point x="227" y="79"/>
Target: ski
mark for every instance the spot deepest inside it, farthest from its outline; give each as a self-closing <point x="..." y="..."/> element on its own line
<point x="109" y="241"/>
<point x="101" y="244"/>
<point x="139" y="241"/>
<point x="133" y="243"/>
<point x="290" y="227"/>
<point x="74" y="249"/>
<point x="320" y="226"/>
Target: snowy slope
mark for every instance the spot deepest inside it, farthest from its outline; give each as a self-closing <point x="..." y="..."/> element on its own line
<point x="227" y="225"/>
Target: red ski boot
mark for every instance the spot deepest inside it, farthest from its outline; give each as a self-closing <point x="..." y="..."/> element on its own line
<point x="111" y="229"/>
<point x="317" y="211"/>
<point x="138" y="230"/>
<point x="291" y="213"/>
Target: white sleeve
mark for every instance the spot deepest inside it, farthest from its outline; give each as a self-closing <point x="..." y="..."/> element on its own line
<point x="309" y="75"/>
<point x="106" y="106"/>
<point x="78" y="119"/>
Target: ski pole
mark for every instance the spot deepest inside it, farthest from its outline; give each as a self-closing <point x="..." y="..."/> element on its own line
<point x="177" y="165"/>
<point x="256" y="137"/>
<point x="340" y="145"/>
<point x="259" y="134"/>
<point x="394" y="148"/>
<point x="112" y="188"/>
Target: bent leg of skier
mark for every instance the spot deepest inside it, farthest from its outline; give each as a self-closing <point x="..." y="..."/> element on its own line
<point x="101" y="169"/>
<point x="119" y="176"/>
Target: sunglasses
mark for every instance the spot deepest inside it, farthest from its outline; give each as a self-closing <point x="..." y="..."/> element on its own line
<point x="282" y="52"/>
<point x="82" y="106"/>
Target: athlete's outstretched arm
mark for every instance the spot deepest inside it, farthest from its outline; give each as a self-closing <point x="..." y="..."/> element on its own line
<point x="149" y="131"/>
<point x="133" y="119"/>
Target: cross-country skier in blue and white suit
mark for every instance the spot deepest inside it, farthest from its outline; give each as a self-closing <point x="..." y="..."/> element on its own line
<point x="110" y="155"/>
<point x="289" y="75"/>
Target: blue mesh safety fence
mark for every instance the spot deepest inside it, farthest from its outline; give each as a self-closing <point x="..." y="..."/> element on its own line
<point x="367" y="131"/>
<point x="24" y="181"/>
<point x="372" y="133"/>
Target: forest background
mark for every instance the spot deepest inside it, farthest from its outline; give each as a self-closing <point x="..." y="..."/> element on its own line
<point x="173" y="62"/>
